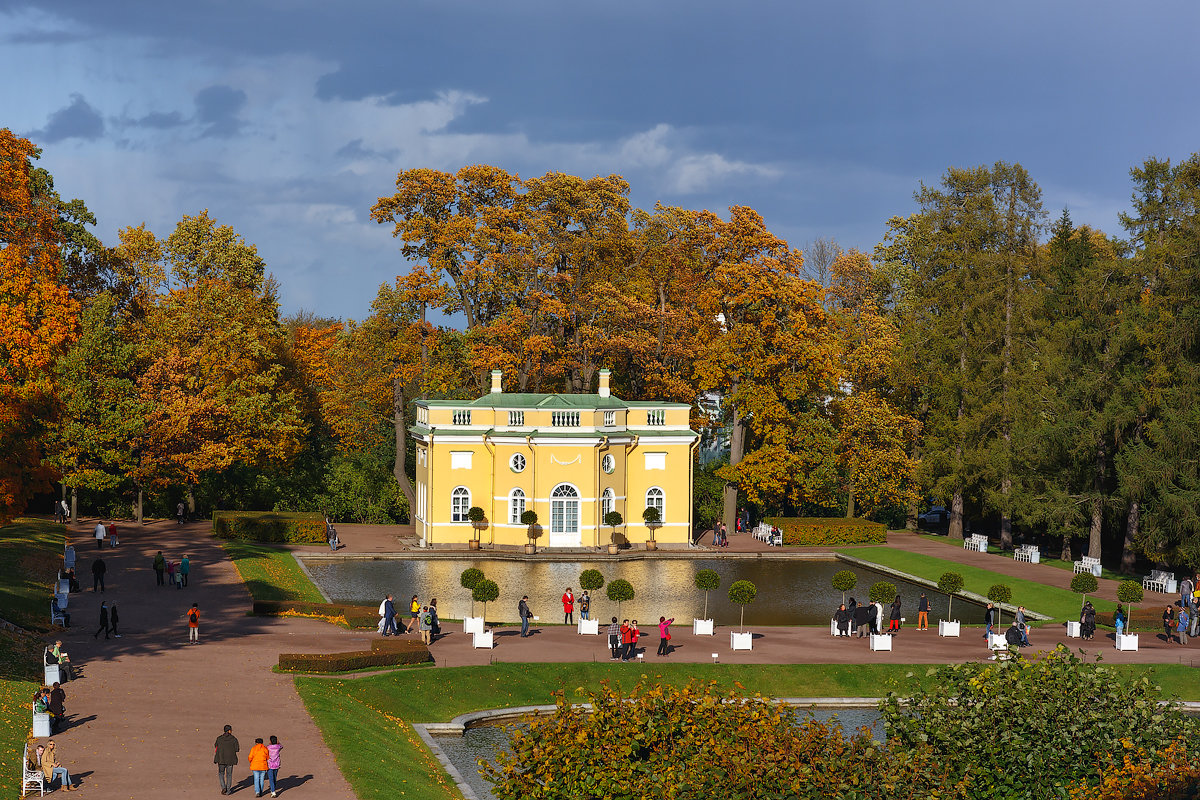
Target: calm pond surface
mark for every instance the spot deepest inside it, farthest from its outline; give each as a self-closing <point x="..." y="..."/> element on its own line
<point x="481" y="744"/>
<point x="790" y="591"/>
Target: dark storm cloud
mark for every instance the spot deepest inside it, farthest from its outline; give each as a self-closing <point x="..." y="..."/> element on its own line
<point x="217" y="110"/>
<point x="76" y="121"/>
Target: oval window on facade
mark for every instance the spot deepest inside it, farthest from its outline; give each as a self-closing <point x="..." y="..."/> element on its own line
<point x="608" y="463"/>
<point x="517" y="463"/>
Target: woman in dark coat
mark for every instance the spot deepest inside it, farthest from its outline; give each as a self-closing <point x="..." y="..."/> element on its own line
<point x="894" y="624"/>
<point x="843" y="616"/>
<point x="1087" y="620"/>
<point x="1168" y="622"/>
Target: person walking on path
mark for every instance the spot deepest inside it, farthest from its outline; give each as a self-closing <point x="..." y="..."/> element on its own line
<point x="634" y="635"/>
<point x="524" y="613"/>
<point x="258" y="758"/>
<point x="426" y="626"/>
<point x="52" y="769"/>
<point x="923" y="613"/>
<point x="160" y="565"/>
<point x="1184" y="619"/>
<point x="101" y="534"/>
<point x="894" y="620"/>
<point x="585" y="605"/>
<point x="170" y="573"/>
<point x="179" y="513"/>
<point x="435" y="625"/>
<point x="989" y="619"/>
<point x="185" y="567"/>
<point x="568" y="601"/>
<point x="225" y="751"/>
<point x="113" y="619"/>
<point x="388" y="611"/>
<point x="98" y="570"/>
<point x="193" y="618"/>
<point x="414" y="613"/>
<point x="614" y="639"/>
<point x="103" y="622"/>
<point x="1168" y="622"/>
<point x="273" y="763"/>
<point x="664" y="635"/>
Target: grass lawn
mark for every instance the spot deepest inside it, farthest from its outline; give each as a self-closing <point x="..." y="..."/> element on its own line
<point x="270" y="573"/>
<point x="366" y="722"/>
<point x="32" y="555"/>
<point x="1049" y="559"/>
<point x="1061" y="604"/>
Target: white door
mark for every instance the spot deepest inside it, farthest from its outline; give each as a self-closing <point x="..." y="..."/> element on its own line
<point x="564" y="516"/>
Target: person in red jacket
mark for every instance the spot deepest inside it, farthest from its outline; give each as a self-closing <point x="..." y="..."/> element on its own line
<point x="631" y="646"/>
<point x="568" y="601"/>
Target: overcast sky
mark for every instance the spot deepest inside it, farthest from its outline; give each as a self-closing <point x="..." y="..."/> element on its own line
<point x="288" y="119"/>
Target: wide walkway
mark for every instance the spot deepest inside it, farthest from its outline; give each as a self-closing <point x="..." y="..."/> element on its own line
<point x="147" y="707"/>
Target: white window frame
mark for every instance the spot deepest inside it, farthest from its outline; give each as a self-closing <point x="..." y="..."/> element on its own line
<point x="608" y="464"/>
<point x="516" y="418"/>
<point x="514" y="460"/>
<point x="610" y="419"/>
<point x="608" y="501"/>
<point x="655" y="496"/>
<point x="516" y="506"/>
<point x="564" y="509"/>
<point x="460" y="504"/>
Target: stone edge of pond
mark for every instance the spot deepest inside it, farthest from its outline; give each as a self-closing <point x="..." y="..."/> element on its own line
<point x="492" y="555"/>
<point x="978" y="598"/>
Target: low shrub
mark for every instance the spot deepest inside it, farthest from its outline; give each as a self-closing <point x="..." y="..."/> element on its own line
<point x="1143" y="619"/>
<point x="355" y="616"/>
<point x="413" y="652"/>
<point x="270" y="526"/>
<point x="825" y="531"/>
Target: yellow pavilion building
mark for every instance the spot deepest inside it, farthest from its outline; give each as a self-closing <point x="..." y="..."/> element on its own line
<point x="571" y="458"/>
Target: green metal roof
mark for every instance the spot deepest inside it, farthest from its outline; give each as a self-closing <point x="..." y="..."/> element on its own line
<point x="523" y="400"/>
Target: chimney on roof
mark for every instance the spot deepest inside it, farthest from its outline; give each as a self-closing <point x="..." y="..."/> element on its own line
<point x="496" y="387"/>
<point x="603" y="391"/>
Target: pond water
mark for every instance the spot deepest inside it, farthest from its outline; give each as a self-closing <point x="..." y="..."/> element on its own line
<point x="482" y="743"/>
<point x="790" y="591"/>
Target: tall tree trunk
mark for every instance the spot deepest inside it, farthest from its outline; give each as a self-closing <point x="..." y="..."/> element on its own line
<point x="1065" y="555"/>
<point x="1097" y="526"/>
<point x="140" y="506"/>
<point x="191" y="501"/>
<point x="399" y="466"/>
<point x="1006" y="420"/>
<point x="956" y="515"/>
<point x="1005" y="519"/>
<point x="1133" y="523"/>
<point x="74" y="504"/>
<point x="737" y="446"/>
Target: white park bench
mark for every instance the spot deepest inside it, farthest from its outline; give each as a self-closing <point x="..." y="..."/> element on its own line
<point x="976" y="542"/>
<point x="31" y="778"/>
<point x="1160" y="581"/>
<point x="1088" y="564"/>
<point x="52" y="672"/>
<point x="57" y="617"/>
<point x="1028" y="552"/>
<point x="69" y="557"/>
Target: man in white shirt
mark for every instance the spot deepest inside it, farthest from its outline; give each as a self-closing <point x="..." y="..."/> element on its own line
<point x="101" y="534"/>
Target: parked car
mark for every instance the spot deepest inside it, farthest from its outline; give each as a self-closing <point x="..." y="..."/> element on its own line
<point x="935" y="518"/>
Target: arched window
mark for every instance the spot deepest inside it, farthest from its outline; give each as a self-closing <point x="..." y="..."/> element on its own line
<point x="606" y="503"/>
<point x="460" y="504"/>
<point x="564" y="509"/>
<point x="656" y="499"/>
<point x="516" y="506"/>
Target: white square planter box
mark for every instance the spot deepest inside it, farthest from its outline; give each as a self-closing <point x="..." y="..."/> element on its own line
<point x="1127" y="641"/>
<point x="53" y="674"/>
<point x="1172" y="586"/>
<point x="589" y="627"/>
<point x="1073" y="630"/>
<point x="1035" y="557"/>
<point x="881" y="641"/>
<point x="1097" y="569"/>
<point x="741" y="641"/>
<point x="702" y="627"/>
<point x="948" y="628"/>
<point x="998" y="642"/>
<point x="833" y="627"/>
<point x="482" y="640"/>
<point x="473" y="625"/>
<point x="41" y="725"/>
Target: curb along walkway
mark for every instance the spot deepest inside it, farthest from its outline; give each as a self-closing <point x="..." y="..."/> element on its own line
<point x="146" y="708"/>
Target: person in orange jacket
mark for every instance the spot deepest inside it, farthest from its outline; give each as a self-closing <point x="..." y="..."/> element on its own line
<point x="259" y="758"/>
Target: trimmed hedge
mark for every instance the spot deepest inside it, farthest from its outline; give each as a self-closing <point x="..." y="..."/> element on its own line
<point x="1147" y="619"/>
<point x="823" y="531"/>
<point x="355" y="616"/>
<point x="382" y="654"/>
<point x="270" y="526"/>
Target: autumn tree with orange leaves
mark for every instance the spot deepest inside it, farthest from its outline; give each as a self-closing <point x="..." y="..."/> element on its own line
<point x="38" y="322"/>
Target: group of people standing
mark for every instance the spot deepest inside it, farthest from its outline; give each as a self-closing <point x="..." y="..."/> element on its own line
<point x="421" y="618"/>
<point x="869" y="618"/>
<point x="175" y="572"/>
<point x="569" y="601"/>
<point x="264" y="762"/>
<point x="1185" y="622"/>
